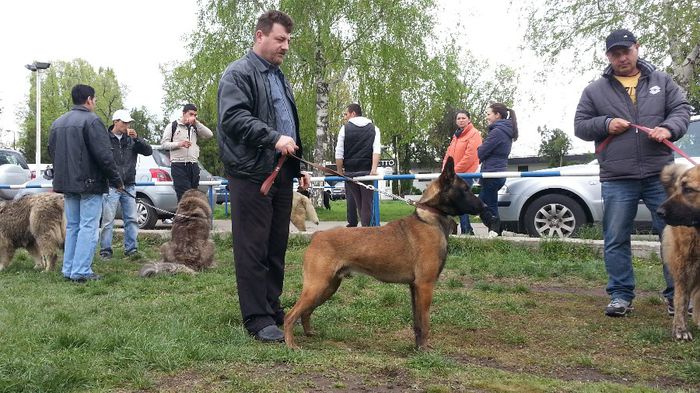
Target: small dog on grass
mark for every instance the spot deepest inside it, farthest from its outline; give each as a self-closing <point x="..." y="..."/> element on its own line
<point x="681" y="242"/>
<point x="411" y="250"/>
<point x="189" y="249"/>
<point x="35" y="222"/>
<point x="302" y="209"/>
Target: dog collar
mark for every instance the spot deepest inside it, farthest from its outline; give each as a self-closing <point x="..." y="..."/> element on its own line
<point x="429" y="208"/>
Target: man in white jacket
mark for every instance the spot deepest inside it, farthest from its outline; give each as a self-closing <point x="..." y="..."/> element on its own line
<point x="180" y="138"/>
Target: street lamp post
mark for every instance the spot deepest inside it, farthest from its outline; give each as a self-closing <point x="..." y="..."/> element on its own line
<point x="36" y="67"/>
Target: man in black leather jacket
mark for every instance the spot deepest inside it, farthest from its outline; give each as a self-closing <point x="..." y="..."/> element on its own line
<point x="83" y="165"/>
<point x="126" y="146"/>
<point x="254" y="129"/>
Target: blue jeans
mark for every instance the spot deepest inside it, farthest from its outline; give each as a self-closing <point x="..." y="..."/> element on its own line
<point x="82" y="219"/>
<point x="109" y="210"/>
<point x="620" y="201"/>
<point x="489" y="193"/>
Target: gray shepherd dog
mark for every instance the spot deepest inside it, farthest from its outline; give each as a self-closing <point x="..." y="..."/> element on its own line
<point x="189" y="249"/>
<point x="35" y="222"/>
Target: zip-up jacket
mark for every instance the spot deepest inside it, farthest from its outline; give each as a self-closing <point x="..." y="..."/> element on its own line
<point x="632" y="155"/>
<point x="184" y="133"/>
<point x="82" y="156"/>
<point x="247" y="121"/>
<point x="126" y="151"/>
<point x="463" y="149"/>
<point x="494" y="152"/>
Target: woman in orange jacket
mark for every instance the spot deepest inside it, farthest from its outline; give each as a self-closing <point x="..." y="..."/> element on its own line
<point x="462" y="149"/>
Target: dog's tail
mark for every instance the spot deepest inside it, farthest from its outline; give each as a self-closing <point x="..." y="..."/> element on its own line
<point x="156" y="268"/>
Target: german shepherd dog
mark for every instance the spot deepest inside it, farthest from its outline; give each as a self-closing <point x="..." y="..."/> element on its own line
<point x="681" y="241"/>
<point x="411" y="250"/>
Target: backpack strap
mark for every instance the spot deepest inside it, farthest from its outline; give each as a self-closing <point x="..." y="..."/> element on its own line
<point x="172" y="132"/>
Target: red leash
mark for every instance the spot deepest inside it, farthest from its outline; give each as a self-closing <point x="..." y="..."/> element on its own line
<point x="648" y="131"/>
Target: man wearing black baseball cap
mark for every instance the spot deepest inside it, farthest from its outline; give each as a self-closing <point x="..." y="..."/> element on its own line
<point x="631" y="91"/>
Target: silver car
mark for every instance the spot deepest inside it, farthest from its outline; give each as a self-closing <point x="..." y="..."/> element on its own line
<point x="13" y="171"/>
<point x="559" y="206"/>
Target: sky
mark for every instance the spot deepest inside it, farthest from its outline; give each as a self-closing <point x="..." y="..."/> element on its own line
<point x="135" y="38"/>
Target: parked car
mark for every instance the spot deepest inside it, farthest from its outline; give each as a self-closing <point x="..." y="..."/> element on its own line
<point x="13" y="171"/>
<point x="559" y="206"/>
<point x="221" y="191"/>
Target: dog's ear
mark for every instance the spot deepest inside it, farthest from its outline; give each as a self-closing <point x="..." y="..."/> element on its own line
<point x="670" y="174"/>
<point x="448" y="172"/>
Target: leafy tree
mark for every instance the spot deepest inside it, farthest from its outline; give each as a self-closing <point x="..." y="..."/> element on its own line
<point x="555" y="145"/>
<point x="368" y="51"/>
<point x="668" y="31"/>
<point x="146" y="125"/>
<point x="56" y="86"/>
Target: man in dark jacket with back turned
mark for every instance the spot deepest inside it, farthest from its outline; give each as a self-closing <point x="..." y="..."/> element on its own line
<point x="631" y="91"/>
<point x="83" y="165"/>
<point x="257" y="123"/>
<point x="126" y="146"/>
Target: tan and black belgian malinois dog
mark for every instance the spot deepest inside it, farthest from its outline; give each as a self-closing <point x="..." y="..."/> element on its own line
<point x="411" y="250"/>
<point x="681" y="242"/>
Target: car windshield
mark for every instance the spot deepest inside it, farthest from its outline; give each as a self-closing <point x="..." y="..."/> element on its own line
<point x="690" y="143"/>
<point x="11" y="157"/>
<point x="162" y="157"/>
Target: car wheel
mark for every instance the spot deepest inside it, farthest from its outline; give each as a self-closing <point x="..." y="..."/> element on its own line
<point x="554" y="216"/>
<point x="146" y="216"/>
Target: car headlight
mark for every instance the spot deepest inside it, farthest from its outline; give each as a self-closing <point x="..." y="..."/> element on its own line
<point x="503" y="190"/>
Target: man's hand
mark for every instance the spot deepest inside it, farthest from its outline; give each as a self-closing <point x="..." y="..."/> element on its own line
<point x="185" y="144"/>
<point x="659" y="134"/>
<point x="618" y="126"/>
<point x="286" y="145"/>
<point x="131" y="132"/>
<point x="305" y="180"/>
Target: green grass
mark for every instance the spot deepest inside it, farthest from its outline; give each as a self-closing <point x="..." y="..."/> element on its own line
<point x="503" y="319"/>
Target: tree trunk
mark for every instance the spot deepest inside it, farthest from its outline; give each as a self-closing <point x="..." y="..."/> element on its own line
<point x="321" y="148"/>
<point x="683" y="71"/>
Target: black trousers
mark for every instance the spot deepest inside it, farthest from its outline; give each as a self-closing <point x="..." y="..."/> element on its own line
<point x="260" y="226"/>
<point x="364" y="199"/>
<point x="185" y="176"/>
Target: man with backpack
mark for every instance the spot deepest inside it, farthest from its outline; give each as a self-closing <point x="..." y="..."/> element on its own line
<point x="180" y="138"/>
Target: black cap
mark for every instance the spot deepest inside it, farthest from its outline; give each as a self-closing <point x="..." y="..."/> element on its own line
<point x="620" y="37"/>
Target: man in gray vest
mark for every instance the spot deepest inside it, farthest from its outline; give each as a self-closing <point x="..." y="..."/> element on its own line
<point x="357" y="154"/>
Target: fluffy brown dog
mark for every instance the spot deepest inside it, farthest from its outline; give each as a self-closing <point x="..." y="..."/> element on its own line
<point x="681" y="241"/>
<point x="189" y="249"/>
<point x="302" y="209"/>
<point x="411" y="250"/>
<point x="35" y="222"/>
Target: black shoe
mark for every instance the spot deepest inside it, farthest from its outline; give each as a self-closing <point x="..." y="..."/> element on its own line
<point x="270" y="334"/>
<point x="105" y="255"/>
<point x="618" y="307"/>
<point x="84" y="279"/>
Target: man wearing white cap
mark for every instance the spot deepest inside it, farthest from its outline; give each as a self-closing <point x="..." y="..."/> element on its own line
<point x="126" y="146"/>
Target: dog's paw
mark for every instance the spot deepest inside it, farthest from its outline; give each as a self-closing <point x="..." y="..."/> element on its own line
<point x="682" y="334"/>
